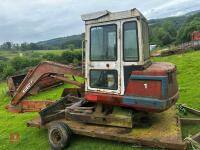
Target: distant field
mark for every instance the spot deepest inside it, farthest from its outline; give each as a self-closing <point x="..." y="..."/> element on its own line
<point x="188" y="66"/>
<point x="8" y="54"/>
<point x="56" y="51"/>
<point x="5" y="55"/>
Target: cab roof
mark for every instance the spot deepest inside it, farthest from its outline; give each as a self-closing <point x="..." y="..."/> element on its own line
<point x="105" y="15"/>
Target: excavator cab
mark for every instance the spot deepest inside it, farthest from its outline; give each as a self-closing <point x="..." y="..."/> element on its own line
<point x="118" y="68"/>
<point x="115" y="44"/>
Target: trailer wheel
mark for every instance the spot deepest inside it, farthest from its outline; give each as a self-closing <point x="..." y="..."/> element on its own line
<point x="59" y="135"/>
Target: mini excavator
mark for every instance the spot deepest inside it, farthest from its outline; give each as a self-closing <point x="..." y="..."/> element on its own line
<point x="123" y="88"/>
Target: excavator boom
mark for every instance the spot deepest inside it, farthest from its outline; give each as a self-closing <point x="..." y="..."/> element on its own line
<point x="44" y="69"/>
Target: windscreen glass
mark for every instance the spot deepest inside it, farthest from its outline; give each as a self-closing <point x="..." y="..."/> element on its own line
<point x="103" y="43"/>
<point x="130" y="42"/>
<point x="103" y="79"/>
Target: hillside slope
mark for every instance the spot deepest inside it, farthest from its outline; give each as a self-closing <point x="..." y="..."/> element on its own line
<point x="177" y="20"/>
<point x="188" y="74"/>
<point x="58" y="42"/>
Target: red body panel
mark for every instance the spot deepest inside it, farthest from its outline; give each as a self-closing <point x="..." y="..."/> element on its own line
<point x="104" y="98"/>
<point x="150" y="88"/>
<point x="144" y="88"/>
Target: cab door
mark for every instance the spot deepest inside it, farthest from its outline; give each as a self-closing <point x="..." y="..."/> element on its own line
<point x="130" y="48"/>
<point x="103" y="58"/>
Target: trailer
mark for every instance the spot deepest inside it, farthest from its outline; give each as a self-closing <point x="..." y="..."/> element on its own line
<point x="164" y="131"/>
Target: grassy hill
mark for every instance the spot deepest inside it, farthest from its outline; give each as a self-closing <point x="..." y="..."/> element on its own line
<point x="188" y="74"/>
<point x="189" y="80"/>
<point x="58" y="42"/>
<point x="177" y="20"/>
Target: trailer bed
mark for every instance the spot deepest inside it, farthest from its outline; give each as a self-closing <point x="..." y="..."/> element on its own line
<point x="165" y="131"/>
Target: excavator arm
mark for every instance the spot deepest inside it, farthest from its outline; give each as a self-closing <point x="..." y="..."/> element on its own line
<point x="42" y="70"/>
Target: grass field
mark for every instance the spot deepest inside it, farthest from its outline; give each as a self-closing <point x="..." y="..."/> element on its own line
<point x="32" y="139"/>
<point x="188" y="74"/>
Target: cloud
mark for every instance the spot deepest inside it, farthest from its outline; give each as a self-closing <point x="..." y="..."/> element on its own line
<point x="37" y="20"/>
<point x="173" y="8"/>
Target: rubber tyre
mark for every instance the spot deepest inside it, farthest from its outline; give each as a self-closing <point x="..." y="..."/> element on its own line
<point x="59" y="135"/>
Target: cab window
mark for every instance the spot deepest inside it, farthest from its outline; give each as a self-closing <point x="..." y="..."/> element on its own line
<point x="130" y="41"/>
<point x="103" y="43"/>
<point x="145" y="37"/>
<point x="104" y="79"/>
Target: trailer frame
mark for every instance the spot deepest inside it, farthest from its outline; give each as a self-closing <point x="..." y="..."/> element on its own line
<point x="164" y="133"/>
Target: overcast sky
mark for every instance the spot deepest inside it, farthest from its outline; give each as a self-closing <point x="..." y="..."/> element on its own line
<point x="36" y="20"/>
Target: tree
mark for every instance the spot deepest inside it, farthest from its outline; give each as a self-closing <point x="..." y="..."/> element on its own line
<point x="184" y="34"/>
<point x="6" y="46"/>
<point x="163" y="34"/>
<point x="160" y="33"/>
<point x="169" y="27"/>
<point x="166" y="39"/>
<point x="8" y="71"/>
<point x="52" y="57"/>
<point x="75" y="43"/>
<point x="192" y="24"/>
<point x="16" y="47"/>
<point x="71" y="47"/>
<point x="21" y="63"/>
<point x="67" y="57"/>
<point x="2" y="65"/>
<point x="33" y="46"/>
<point x="24" y="46"/>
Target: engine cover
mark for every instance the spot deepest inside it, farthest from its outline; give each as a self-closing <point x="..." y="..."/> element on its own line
<point x="157" y="81"/>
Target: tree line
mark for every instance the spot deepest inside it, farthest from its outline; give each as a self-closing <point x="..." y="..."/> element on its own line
<point x="168" y="32"/>
<point x="73" y="44"/>
<point x="21" y="64"/>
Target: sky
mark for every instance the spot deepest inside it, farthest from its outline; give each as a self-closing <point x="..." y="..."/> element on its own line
<point x="37" y="20"/>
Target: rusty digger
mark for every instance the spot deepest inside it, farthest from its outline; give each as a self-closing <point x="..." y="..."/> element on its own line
<point x="125" y="97"/>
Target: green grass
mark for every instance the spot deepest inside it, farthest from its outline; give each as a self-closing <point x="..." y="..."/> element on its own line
<point x="54" y="93"/>
<point x="30" y="138"/>
<point x="188" y="74"/>
<point x="8" y="54"/>
<point x="56" y="51"/>
<point x="33" y="139"/>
